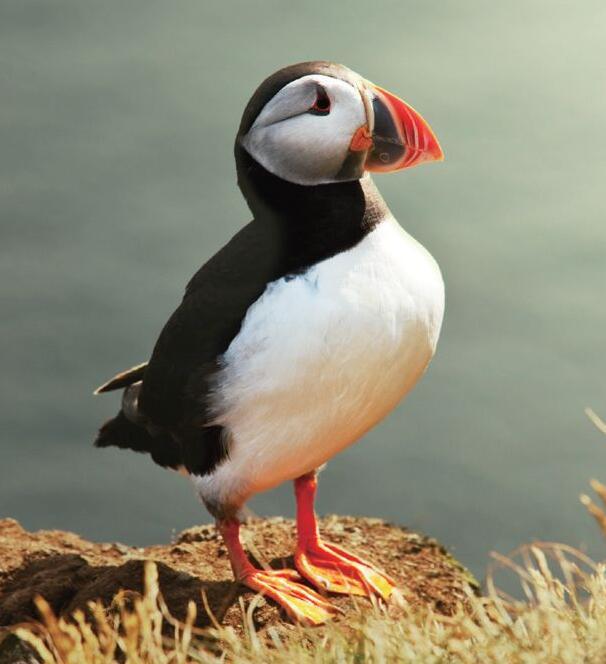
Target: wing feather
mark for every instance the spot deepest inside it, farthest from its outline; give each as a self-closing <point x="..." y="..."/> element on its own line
<point x="176" y="384"/>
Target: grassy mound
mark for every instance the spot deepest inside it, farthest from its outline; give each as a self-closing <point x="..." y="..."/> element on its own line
<point x="561" y="621"/>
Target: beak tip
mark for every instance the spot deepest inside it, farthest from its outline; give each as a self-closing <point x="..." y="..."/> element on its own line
<point x="433" y="150"/>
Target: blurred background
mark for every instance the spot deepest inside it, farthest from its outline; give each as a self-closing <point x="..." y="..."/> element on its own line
<point x="117" y="181"/>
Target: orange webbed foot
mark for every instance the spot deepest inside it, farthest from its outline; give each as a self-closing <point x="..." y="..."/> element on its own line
<point x="283" y="586"/>
<point x="302" y="604"/>
<point x="336" y="570"/>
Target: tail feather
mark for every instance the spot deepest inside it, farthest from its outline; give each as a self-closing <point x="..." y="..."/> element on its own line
<point x="123" y="379"/>
<point x="121" y="432"/>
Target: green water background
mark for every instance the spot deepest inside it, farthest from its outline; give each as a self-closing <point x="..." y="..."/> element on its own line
<point x="117" y="182"/>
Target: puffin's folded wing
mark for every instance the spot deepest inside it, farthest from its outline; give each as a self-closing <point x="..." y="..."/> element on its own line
<point x="177" y="385"/>
<point x="123" y="379"/>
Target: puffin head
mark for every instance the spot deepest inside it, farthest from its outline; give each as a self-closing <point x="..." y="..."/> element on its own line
<point x="318" y="123"/>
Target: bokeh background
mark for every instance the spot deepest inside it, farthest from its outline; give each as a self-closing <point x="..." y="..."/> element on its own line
<point x="117" y="181"/>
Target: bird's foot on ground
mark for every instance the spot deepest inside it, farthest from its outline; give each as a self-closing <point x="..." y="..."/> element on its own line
<point x="334" y="569"/>
<point x="302" y="604"/>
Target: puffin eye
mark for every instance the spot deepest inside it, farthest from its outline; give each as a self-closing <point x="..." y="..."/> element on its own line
<point x="322" y="104"/>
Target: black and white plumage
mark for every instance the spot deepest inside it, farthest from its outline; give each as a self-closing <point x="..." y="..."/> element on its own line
<point x="314" y="321"/>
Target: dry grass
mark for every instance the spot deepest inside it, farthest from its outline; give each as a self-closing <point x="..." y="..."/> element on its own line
<point x="561" y="620"/>
<point x="561" y="617"/>
<point x="595" y="510"/>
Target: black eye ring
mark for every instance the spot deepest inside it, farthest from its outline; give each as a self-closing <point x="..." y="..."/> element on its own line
<point x="322" y="104"/>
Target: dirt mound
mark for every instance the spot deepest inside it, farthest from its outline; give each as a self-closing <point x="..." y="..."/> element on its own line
<point x="70" y="571"/>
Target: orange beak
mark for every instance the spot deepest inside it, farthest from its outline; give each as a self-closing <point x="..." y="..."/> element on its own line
<point x="400" y="137"/>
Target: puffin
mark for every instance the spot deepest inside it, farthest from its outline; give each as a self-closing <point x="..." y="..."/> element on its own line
<point x="304" y="331"/>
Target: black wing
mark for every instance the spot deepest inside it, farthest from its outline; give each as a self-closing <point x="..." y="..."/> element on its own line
<point x="175" y="385"/>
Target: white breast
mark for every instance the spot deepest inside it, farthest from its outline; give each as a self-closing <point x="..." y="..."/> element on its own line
<point x="322" y="357"/>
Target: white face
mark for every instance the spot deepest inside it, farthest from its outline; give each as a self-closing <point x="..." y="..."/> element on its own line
<point x="304" y="132"/>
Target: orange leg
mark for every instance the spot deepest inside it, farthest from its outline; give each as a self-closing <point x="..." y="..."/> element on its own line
<point x="301" y="603"/>
<point x="328" y="566"/>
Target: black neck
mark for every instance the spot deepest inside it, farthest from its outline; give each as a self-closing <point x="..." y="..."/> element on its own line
<point x="312" y="222"/>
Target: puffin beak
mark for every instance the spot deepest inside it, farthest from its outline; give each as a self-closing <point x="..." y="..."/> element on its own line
<point x="400" y="137"/>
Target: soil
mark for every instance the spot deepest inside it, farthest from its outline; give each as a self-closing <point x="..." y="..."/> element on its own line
<point x="69" y="571"/>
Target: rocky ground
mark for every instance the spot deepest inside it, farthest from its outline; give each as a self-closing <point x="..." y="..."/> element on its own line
<point x="70" y="571"/>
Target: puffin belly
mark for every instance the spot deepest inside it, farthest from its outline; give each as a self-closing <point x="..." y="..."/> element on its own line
<point x="322" y="357"/>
